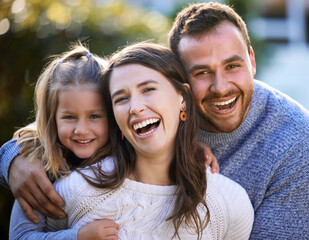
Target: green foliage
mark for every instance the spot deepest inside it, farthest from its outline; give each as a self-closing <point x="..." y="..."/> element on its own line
<point x="32" y="30"/>
<point x="40" y="28"/>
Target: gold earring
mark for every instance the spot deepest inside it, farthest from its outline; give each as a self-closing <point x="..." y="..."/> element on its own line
<point x="183" y="114"/>
<point x="122" y="136"/>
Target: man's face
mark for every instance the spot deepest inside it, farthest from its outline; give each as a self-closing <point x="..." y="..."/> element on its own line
<point x="221" y="74"/>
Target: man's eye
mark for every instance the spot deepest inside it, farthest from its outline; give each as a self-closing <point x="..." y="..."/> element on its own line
<point x="201" y="73"/>
<point x="232" y="66"/>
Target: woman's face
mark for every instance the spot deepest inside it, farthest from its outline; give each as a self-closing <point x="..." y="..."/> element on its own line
<point x="146" y="107"/>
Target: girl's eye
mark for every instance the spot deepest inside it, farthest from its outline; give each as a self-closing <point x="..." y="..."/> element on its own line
<point x="94" y="116"/>
<point x="69" y="117"/>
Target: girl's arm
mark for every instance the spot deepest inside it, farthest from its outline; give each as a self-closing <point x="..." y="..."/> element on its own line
<point x="22" y="228"/>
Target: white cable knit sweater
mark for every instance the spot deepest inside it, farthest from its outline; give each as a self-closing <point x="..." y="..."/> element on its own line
<point x="142" y="209"/>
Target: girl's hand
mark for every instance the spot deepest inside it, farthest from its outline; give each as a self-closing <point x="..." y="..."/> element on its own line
<point x="103" y="229"/>
<point x="210" y="159"/>
<point x="32" y="189"/>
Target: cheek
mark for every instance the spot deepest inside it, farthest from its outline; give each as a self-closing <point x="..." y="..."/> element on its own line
<point x="120" y="116"/>
<point x="105" y="132"/>
<point x="63" y="133"/>
<point x="199" y="91"/>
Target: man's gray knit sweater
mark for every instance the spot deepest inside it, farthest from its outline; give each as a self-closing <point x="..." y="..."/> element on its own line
<point x="269" y="156"/>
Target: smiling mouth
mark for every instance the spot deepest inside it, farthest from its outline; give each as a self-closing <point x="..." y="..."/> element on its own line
<point x="147" y="126"/>
<point x="84" y="141"/>
<point x="224" y="105"/>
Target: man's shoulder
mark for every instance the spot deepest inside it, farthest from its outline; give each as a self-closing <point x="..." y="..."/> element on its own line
<point x="283" y="108"/>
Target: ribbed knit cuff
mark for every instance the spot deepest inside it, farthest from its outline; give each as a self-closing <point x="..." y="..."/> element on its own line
<point x="7" y="153"/>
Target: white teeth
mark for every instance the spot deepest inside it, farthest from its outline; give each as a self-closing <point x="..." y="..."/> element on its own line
<point x="145" y="123"/>
<point x="142" y="134"/>
<point x="86" y="141"/>
<point x="224" y="103"/>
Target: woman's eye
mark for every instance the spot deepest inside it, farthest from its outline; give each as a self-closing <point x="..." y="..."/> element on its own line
<point x="119" y="100"/>
<point x="149" y="89"/>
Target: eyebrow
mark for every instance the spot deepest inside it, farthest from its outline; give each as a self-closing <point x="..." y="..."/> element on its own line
<point x="91" y="110"/>
<point x="233" y="58"/>
<point x="138" y="85"/>
<point x="228" y="60"/>
<point x="196" y="67"/>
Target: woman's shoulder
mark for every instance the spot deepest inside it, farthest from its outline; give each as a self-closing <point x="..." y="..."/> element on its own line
<point x="227" y="192"/>
<point x="75" y="178"/>
<point x="229" y="206"/>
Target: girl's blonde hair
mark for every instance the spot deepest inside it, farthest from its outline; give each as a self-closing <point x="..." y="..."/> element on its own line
<point x="40" y="140"/>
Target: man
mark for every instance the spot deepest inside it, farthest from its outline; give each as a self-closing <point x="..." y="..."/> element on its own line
<point x="259" y="136"/>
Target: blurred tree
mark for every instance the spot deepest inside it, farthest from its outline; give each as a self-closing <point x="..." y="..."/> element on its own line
<point x="34" y="29"/>
<point x="31" y="30"/>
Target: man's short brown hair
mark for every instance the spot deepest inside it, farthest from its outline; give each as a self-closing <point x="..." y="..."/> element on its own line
<point x="197" y="19"/>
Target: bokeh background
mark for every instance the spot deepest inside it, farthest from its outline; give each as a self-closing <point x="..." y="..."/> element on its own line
<point x="32" y="30"/>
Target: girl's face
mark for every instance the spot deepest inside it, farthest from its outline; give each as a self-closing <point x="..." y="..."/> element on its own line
<point x="146" y="107"/>
<point x="81" y="120"/>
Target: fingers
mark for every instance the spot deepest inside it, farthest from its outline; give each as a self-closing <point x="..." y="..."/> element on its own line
<point x="30" y="184"/>
<point x="210" y="159"/>
<point x="47" y="197"/>
<point x="48" y="190"/>
<point x="28" y="211"/>
<point x="99" y="229"/>
<point x="215" y="165"/>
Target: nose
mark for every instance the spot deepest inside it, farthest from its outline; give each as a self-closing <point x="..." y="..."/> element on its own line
<point x="81" y="127"/>
<point x="136" y="106"/>
<point x="220" y="84"/>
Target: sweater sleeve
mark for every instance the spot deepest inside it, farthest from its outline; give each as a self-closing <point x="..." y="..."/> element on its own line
<point x="284" y="211"/>
<point x="22" y="228"/>
<point x="241" y="216"/>
<point x="7" y="153"/>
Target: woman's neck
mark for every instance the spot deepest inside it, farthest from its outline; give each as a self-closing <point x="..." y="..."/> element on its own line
<point x="152" y="171"/>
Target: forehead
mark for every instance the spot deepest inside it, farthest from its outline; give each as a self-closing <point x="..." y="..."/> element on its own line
<point x="223" y="41"/>
<point x="131" y="75"/>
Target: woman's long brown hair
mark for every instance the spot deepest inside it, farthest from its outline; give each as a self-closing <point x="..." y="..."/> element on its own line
<point x="187" y="170"/>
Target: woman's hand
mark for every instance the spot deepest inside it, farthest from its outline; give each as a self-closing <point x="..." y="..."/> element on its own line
<point x="32" y="189"/>
<point x="103" y="229"/>
<point x="210" y="159"/>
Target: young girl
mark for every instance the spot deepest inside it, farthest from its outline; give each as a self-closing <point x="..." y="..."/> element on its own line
<point x="155" y="186"/>
<point x="71" y="124"/>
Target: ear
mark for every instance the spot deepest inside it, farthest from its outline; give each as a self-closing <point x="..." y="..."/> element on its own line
<point x="252" y="60"/>
<point x="183" y="102"/>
